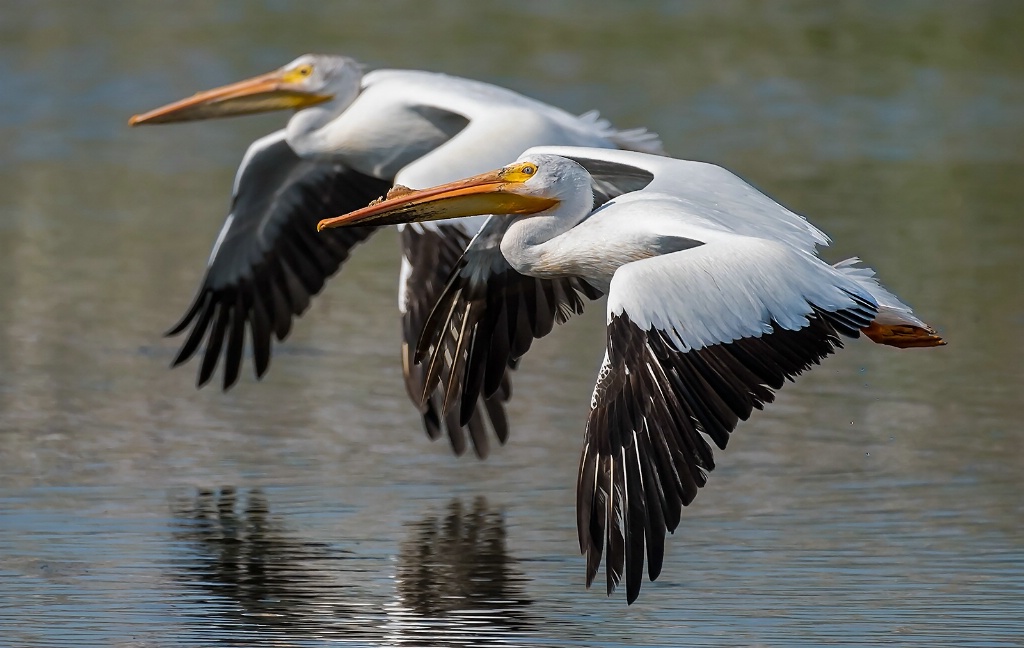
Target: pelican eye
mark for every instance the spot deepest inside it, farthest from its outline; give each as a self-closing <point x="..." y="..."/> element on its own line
<point x="299" y="73"/>
<point x="520" y="172"/>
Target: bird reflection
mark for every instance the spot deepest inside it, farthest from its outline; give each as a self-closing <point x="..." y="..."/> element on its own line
<point x="455" y="582"/>
<point x="257" y="573"/>
<point x="459" y="561"/>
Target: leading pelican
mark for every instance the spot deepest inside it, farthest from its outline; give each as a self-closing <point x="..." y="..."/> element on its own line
<point x="352" y="137"/>
<point x="716" y="296"/>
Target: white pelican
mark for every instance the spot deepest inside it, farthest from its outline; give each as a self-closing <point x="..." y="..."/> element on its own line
<point x="716" y="296"/>
<point x="352" y="137"/>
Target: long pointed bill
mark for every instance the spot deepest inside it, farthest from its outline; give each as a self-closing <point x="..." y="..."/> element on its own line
<point x="258" y="94"/>
<point x="488" y="193"/>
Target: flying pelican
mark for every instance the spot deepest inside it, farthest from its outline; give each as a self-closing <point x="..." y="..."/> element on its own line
<point x="353" y="136"/>
<point x="716" y="296"/>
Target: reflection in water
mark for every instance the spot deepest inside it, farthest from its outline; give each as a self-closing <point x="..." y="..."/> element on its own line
<point x="456" y="585"/>
<point x="257" y="574"/>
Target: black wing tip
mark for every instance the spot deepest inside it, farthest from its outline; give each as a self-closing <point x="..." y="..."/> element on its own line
<point x="654" y="565"/>
<point x="202" y="380"/>
<point x="187" y="318"/>
<point x="177" y="328"/>
<point x="269" y="290"/>
<point x="230" y="380"/>
<point x="633" y="586"/>
<point x="179" y="359"/>
<point x="703" y="391"/>
<point x="261" y="368"/>
<point x="632" y="595"/>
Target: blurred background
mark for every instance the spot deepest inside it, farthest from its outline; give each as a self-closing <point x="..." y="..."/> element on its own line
<point x="877" y="501"/>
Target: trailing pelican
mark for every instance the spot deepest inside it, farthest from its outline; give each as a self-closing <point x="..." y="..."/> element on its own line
<point x="353" y="136"/>
<point x="716" y="296"/>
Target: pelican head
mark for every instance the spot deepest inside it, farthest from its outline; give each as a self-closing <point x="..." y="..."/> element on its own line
<point x="533" y="184"/>
<point x="307" y="81"/>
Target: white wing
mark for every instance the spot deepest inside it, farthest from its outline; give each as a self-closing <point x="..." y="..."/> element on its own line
<point x="696" y="340"/>
<point x="714" y="194"/>
<point x="462" y="127"/>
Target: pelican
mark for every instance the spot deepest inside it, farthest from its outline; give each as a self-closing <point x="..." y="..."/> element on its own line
<point x="716" y="296"/>
<point x="352" y="137"/>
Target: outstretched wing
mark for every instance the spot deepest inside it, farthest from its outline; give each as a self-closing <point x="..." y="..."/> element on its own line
<point x="429" y="254"/>
<point x="716" y="195"/>
<point x="696" y="340"/>
<point x="269" y="260"/>
<point x="484" y="320"/>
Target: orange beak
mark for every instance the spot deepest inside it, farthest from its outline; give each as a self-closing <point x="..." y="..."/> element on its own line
<point x="487" y="193"/>
<point x="271" y="91"/>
